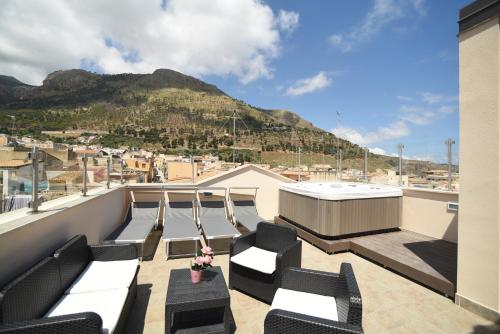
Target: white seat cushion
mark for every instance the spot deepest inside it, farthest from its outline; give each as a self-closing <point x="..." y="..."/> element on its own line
<point x="256" y="259"/>
<point x="319" y="306"/>
<point x="108" y="304"/>
<point x="105" y="275"/>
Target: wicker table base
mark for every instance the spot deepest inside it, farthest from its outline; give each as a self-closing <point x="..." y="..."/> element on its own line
<point x="198" y="308"/>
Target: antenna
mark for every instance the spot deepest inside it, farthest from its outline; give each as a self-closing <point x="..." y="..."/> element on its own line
<point x="234" y="116"/>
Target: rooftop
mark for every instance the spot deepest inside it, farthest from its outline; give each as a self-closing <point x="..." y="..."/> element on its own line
<point x="391" y="302"/>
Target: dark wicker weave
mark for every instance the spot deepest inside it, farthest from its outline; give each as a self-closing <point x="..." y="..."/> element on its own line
<point x="24" y="301"/>
<point x="342" y="286"/>
<point x="271" y="237"/>
<point x="194" y="306"/>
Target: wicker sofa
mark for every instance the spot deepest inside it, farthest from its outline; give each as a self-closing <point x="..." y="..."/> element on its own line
<point x="80" y="289"/>
<point x="258" y="259"/>
<point x="310" y="302"/>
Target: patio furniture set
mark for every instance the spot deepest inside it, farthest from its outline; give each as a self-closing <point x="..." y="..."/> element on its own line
<point x="266" y="264"/>
<point x="92" y="289"/>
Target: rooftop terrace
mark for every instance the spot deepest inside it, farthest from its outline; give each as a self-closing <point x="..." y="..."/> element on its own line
<point x="391" y="303"/>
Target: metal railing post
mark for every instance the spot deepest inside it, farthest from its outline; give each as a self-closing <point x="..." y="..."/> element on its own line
<point x="108" y="174"/>
<point x="192" y="170"/>
<point x="121" y="170"/>
<point x="449" y="142"/>
<point x="400" y="153"/>
<point x="366" y="164"/>
<point x="341" y="156"/>
<point x="84" y="189"/>
<point x="34" y="179"/>
<point x="300" y="169"/>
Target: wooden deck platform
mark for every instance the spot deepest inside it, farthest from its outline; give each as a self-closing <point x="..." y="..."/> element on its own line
<point x="431" y="262"/>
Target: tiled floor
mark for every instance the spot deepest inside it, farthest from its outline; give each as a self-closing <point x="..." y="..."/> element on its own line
<point x="391" y="303"/>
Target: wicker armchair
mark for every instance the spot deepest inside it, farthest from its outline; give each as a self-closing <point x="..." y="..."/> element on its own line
<point x="342" y="287"/>
<point x="271" y="249"/>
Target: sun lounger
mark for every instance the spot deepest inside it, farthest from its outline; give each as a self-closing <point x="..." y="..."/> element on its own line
<point x="245" y="214"/>
<point x="244" y="210"/>
<point x="179" y="225"/>
<point x="212" y="217"/>
<point x="140" y="220"/>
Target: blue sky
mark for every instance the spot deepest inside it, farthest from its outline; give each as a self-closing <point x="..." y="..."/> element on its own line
<point x="389" y="67"/>
<point x="407" y="68"/>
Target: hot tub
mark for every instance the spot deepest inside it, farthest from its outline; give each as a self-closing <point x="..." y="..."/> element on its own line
<point x="338" y="210"/>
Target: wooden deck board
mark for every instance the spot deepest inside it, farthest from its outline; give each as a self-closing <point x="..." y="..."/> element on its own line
<point x="431" y="262"/>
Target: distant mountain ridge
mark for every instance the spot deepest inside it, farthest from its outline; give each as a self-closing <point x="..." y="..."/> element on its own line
<point x="76" y="86"/>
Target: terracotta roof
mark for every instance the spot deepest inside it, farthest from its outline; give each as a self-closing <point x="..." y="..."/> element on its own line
<point x="87" y="151"/>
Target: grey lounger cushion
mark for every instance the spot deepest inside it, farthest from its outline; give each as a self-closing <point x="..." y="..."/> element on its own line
<point x="246" y="214"/>
<point x="214" y="222"/>
<point x="141" y="218"/>
<point x="178" y="222"/>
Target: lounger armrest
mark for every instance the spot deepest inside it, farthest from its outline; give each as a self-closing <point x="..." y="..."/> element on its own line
<point x="242" y="243"/>
<point x="113" y="252"/>
<point x="281" y="321"/>
<point x="290" y="256"/>
<point x="85" y="323"/>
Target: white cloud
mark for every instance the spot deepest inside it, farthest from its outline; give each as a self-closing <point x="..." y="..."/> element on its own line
<point x="378" y="150"/>
<point x="429" y="109"/>
<point x="309" y="85"/>
<point x="416" y="115"/>
<point x="381" y="14"/>
<point x="447" y="109"/>
<point x="197" y="37"/>
<point x="288" y="21"/>
<point x="404" y="98"/>
<point x="394" y="130"/>
<point x="431" y="98"/>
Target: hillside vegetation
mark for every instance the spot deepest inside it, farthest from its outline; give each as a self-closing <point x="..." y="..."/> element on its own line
<point x="165" y="111"/>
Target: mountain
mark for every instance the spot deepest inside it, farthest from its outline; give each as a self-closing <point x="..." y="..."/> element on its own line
<point x="164" y="111"/>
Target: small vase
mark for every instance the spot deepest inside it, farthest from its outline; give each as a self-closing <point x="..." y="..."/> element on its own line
<point x="196" y="276"/>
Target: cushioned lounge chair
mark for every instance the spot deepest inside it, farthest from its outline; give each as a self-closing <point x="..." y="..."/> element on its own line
<point x="310" y="301"/>
<point x="140" y="220"/>
<point x="258" y="259"/>
<point x="179" y="225"/>
<point x="213" y="220"/>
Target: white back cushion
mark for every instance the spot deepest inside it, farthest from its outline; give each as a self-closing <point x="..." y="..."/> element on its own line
<point x="324" y="307"/>
<point x="257" y="259"/>
<point x="108" y="304"/>
<point x="105" y="275"/>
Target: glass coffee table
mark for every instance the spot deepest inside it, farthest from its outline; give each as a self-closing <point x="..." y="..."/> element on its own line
<point x="198" y="308"/>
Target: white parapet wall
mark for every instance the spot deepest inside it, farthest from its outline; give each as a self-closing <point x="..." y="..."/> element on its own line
<point x="426" y="212"/>
<point x="26" y="238"/>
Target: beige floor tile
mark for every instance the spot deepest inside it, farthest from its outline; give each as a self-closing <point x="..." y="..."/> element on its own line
<point x="391" y="303"/>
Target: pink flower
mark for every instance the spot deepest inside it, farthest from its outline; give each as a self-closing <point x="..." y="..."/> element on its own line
<point x="200" y="260"/>
<point x="207" y="259"/>
<point x="207" y="250"/>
